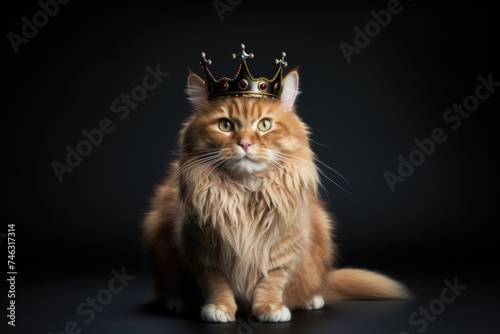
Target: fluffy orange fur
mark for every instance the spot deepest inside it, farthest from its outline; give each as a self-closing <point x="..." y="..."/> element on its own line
<point x="233" y="228"/>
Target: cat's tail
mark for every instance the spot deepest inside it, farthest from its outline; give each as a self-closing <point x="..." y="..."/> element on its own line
<point x="350" y="284"/>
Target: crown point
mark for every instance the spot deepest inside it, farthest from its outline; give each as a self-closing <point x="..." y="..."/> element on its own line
<point x="282" y="60"/>
<point x="204" y="61"/>
<point x="242" y="55"/>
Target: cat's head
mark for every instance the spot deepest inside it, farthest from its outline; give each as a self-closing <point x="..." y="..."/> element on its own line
<point x="244" y="135"/>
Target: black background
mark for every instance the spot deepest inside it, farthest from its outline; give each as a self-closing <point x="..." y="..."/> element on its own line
<point x="438" y="224"/>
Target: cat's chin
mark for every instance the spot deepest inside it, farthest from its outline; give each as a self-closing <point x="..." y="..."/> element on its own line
<point x="248" y="166"/>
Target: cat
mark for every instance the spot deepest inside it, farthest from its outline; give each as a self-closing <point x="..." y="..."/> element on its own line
<point x="237" y="224"/>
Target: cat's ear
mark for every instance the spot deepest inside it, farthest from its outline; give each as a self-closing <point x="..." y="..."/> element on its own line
<point x="290" y="90"/>
<point x="196" y="91"/>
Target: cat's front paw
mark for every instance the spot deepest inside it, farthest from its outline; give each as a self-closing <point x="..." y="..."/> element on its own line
<point x="316" y="303"/>
<point x="216" y="313"/>
<point x="277" y="313"/>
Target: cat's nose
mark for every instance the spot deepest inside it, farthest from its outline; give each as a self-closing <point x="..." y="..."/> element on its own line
<point x="245" y="144"/>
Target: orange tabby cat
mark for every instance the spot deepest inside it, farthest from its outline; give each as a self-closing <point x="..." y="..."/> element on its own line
<point x="238" y="224"/>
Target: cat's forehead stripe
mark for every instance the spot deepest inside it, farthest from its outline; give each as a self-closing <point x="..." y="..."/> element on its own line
<point x="246" y="110"/>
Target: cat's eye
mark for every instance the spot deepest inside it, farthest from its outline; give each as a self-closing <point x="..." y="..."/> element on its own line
<point x="225" y="125"/>
<point x="264" y="125"/>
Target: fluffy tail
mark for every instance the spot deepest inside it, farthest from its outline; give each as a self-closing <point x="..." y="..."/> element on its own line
<point x="349" y="284"/>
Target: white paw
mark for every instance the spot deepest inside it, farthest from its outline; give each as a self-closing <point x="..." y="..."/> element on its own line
<point x="212" y="313"/>
<point x="315" y="304"/>
<point x="175" y="305"/>
<point x="280" y="315"/>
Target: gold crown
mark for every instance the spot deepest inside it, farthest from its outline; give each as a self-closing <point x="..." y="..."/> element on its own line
<point x="243" y="84"/>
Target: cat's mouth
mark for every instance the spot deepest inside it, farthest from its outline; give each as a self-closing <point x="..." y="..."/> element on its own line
<point x="249" y="157"/>
<point x="246" y="157"/>
<point x="249" y="164"/>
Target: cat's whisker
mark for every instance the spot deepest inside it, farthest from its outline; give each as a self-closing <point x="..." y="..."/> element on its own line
<point x="287" y="157"/>
<point x="325" y="191"/>
<point x="198" y="155"/>
<point x="223" y="164"/>
<point x="205" y="162"/>
<point x="197" y="163"/>
<point x="333" y="170"/>
<point x="283" y="164"/>
<point x="329" y="179"/>
<point x="207" y="151"/>
<point x="270" y="164"/>
<point x="324" y="145"/>
<point x="274" y="166"/>
<point x="201" y="159"/>
<point x="183" y="147"/>
<point x="203" y="167"/>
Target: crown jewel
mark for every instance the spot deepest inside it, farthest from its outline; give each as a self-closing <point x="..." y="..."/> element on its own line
<point x="243" y="84"/>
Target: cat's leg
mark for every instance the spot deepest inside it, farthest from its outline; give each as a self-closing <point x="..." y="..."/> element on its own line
<point x="220" y="305"/>
<point x="267" y="301"/>
<point x="178" y="287"/>
<point x="167" y="274"/>
<point x="172" y="278"/>
<point x="175" y="283"/>
<point x="306" y="282"/>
